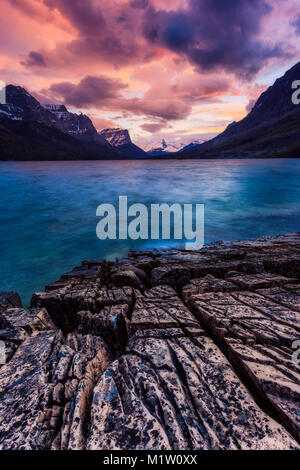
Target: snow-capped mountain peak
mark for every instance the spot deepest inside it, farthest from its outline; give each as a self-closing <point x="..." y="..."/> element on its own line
<point x="162" y="146"/>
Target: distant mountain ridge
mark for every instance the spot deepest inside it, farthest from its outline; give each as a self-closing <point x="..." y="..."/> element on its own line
<point x="270" y="129"/>
<point x="157" y="148"/>
<point x="163" y="147"/>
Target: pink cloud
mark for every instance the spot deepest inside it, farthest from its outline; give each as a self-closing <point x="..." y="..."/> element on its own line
<point x="106" y="93"/>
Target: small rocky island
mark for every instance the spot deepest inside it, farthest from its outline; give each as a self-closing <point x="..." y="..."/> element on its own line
<point x="162" y="350"/>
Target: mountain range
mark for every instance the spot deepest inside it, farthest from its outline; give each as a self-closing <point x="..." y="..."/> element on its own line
<point x="31" y="131"/>
<point x="163" y="147"/>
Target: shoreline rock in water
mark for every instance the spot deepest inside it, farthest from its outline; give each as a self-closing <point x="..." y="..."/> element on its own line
<point x="162" y="350"/>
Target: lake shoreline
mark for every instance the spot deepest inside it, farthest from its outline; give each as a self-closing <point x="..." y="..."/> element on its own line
<point x="157" y="157"/>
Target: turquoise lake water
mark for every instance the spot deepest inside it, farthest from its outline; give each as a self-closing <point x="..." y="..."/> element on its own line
<point x="48" y="210"/>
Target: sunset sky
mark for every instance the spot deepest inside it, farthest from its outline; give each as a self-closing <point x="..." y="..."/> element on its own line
<point x="179" y="69"/>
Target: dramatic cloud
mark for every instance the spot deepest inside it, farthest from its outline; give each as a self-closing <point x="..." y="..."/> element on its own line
<point x="215" y="34"/>
<point x="90" y="92"/>
<point x="170" y="110"/>
<point x="106" y="93"/>
<point x="104" y="30"/>
<point x="211" y="34"/>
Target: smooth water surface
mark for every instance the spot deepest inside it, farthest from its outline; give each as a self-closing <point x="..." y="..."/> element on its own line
<point x="48" y="209"/>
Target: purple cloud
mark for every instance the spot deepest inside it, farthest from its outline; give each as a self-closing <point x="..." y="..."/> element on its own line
<point x="211" y="34"/>
<point x="105" y="30"/>
<point x="215" y="34"/>
<point x="85" y="15"/>
<point x="91" y="91"/>
<point x="105" y="92"/>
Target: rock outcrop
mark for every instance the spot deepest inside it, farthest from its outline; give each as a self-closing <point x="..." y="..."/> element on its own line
<point x="79" y="126"/>
<point x="162" y="350"/>
<point x="120" y="139"/>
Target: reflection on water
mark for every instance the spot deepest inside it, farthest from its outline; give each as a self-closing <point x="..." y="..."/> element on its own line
<point x="48" y="209"/>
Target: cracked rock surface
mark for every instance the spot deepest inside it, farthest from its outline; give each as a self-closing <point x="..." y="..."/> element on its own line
<point x="161" y="350"/>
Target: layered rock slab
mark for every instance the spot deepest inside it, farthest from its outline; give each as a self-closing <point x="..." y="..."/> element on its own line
<point x="46" y="388"/>
<point x="174" y="389"/>
<point x="18" y="324"/>
<point x="160" y="307"/>
<point x="168" y="393"/>
<point x="257" y="336"/>
<point x="90" y="308"/>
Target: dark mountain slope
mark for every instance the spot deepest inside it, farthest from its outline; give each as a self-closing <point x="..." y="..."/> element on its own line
<point x="270" y="129"/>
<point x="79" y="126"/>
<point x="26" y="107"/>
<point x="30" y="131"/>
<point x="31" y="140"/>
